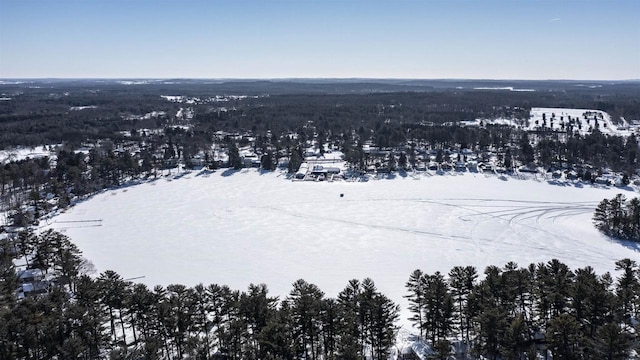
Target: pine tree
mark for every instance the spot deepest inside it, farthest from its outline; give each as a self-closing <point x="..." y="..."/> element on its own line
<point x="632" y="228"/>
<point x="438" y="311"/>
<point x="350" y="342"/>
<point x="367" y="310"/>
<point x="558" y="282"/>
<point x="516" y="339"/>
<point x="256" y="309"/>
<point x="382" y="328"/>
<point x="526" y="150"/>
<point x="509" y="285"/>
<point x="44" y="250"/>
<point x="628" y="288"/>
<point x="235" y="161"/>
<point x="223" y="302"/>
<point x="416" y="297"/>
<point x="139" y="305"/>
<point x="462" y="281"/>
<point x="564" y="337"/>
<point x="277" y="337"/>
<point x="295" y="160"/>
<point x="306" y="306"/>
<point x="392" y="164"/>
<point x="91" y="329"/>
<point x="367" y="320"/>
<point x="612" y="343"/>
<point x="234" y="332"/>
<point x="113" y="290"/>
<point x="66" y="260"/>
<point x="490" y="318"/>
<point x="508" y="161"/>
<point x="493" y="324"/>
<point x="402" y="161"/>
<point x="180" y="320"/>
<point x="330" y="317"/>
<point x="202" y="312"/>
<point x="585" y="281"/>
<point x="267" y="161"/>
<point x="8" y="278"/>
<point x="542" y="292"/>
<point x="617" y="213"/>
<point x="631" y="152"/>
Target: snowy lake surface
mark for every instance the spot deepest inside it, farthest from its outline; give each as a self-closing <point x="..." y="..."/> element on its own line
<point x="246" y="227"/>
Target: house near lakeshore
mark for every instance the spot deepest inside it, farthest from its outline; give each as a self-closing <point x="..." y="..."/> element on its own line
<point x="324" y="170"/>
<point x="31" y="282"/>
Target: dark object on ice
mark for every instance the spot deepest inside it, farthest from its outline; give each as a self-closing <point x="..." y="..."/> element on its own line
<point x="341" y="195"/>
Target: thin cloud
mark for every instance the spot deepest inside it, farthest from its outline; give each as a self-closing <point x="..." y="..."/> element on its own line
<point x="554" y="20"/>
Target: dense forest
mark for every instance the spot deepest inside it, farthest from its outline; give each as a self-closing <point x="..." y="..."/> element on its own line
<point x="105" y="134"/>
<point x="36" y="113"/>
<point x="508" y="312"/>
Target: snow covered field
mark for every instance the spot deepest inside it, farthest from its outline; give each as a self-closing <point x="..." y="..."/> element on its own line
<point x="243" y="227"/>
<point x="584" y="120"/>
<point x="22" y="153"/>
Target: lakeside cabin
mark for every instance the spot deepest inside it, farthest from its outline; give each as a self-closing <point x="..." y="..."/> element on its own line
<point x="31" y="282"/>
<point x="320" y="172"/>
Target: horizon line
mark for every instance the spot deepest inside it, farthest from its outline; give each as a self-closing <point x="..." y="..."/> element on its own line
<point x="308" y="78"/>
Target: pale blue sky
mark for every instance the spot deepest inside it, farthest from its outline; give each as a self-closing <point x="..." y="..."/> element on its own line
<point x="497" y="39"/>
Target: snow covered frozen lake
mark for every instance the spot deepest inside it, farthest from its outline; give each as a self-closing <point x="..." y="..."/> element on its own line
<point x="248" y="227"/>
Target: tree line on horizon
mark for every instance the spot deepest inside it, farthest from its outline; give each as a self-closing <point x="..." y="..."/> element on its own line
<point x="35" y="116"/>
<point x="508" y="312"/>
